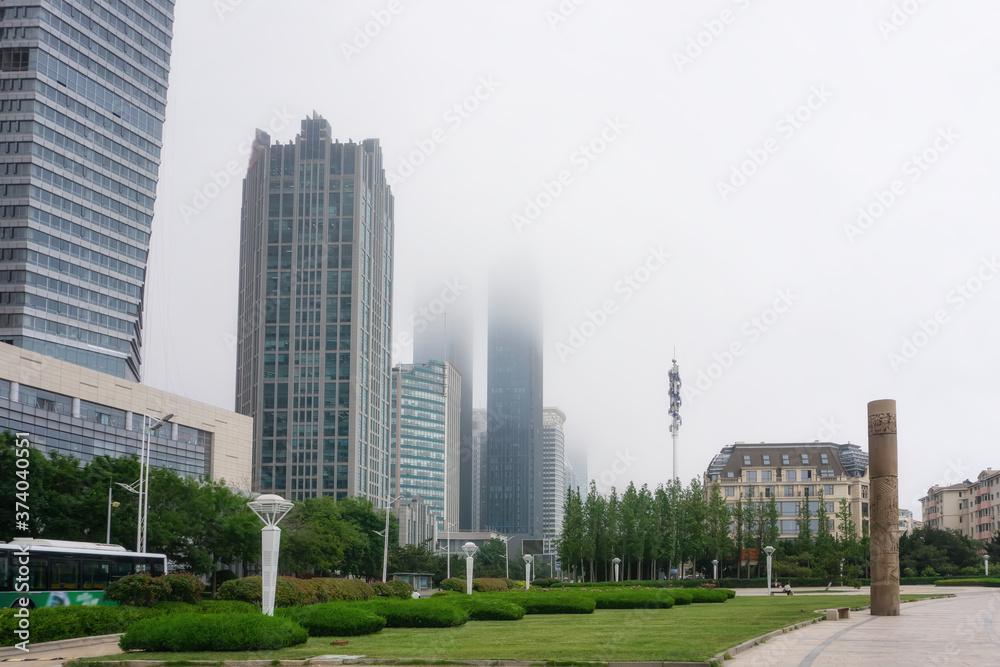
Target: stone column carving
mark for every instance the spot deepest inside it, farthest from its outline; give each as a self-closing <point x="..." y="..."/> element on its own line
<point x="884" y="510"/>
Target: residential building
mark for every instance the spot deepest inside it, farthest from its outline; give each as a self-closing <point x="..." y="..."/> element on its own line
<point x="553" y="475"/>
<point x="906" y="523"/>
<point x="442" y="329"/>
<point x="791" y="473"/>
<point x="971" y="508"/>
<point x="84" y="413"/>
<point x="425" y="433"/>
<point x="313" y="359"/>
<point x="83" y="92"/>
<point x="513" y="460"/>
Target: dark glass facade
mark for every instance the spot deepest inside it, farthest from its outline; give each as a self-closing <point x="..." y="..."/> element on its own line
<point x="83" y="89"/>
<point x="315" y="313"/>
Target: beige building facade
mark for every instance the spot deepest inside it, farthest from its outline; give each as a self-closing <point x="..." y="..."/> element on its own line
<point x="971" y="508"/>
<point x="85" y="413"/>
<point x="794" y="473"/>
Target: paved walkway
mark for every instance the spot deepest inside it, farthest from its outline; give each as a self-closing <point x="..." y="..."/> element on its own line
<point x="964" y="630"/>
<point x="50" y="657"/>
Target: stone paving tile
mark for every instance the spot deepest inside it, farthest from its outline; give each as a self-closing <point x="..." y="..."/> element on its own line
<point x="958" y="631"/>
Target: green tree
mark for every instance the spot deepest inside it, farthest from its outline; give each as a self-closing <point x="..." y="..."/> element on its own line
<point x="824" y="538"/>
<point x="363" y="555"/>
<point x="570" y="543"/>
<point x="805" y="524"/>
<point x="717" y="521"/>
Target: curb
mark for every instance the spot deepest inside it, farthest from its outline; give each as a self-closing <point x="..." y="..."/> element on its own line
<point x="76" y="642"/>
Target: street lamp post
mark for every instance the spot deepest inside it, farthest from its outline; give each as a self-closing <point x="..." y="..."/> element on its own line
<point x="447" y="546"/>
<point x="506" y="555"/>
<point x="141" y="485"/>
<point x="470" y="550"/>
<point x="715" y="569"/>
<point x="107" y="540"/>
<point x="271" y="509"/>
<point x="527" y="570"/>
<point x="986" y="563"/>
<point x="769" y="551"/>
<point x="616" y="561"/>
<point x="385" y="535"/>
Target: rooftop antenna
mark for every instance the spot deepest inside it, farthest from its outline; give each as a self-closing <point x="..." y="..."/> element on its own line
<point x="675" y="408"/>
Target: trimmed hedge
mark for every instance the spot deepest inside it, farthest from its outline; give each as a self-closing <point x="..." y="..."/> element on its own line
<point x="292" y="592"/>
<point x="137" y="590"/>
<point x="544" y="582"/>
<point x="487" y="585"/>
<point x="482" y="608"/>
<point x="335" y="619"/>
<point x="213" y="632"/>
<point x="50" y="624"/>
<point x="553" y="603"/>
<point x="699" y="595"/>
<point x="395" y="588"/>
<point x="730" y="593"/>
<point x="641" y="598"/>
<point x="993" y="583"/>
<point x="427" y="613"/>
<point x="682" y="595"/>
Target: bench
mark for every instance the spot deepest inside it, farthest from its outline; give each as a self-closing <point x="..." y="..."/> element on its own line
<point x="838" y="613"/>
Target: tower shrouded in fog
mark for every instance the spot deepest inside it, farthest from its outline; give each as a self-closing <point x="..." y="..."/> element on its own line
<point x="513" y="459"/>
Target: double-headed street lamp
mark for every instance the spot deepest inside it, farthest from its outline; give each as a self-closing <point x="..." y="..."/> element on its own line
<point x="616" y="561"/>
<point x="385" y="535"/>
<point x="528" y="558"/>
<point x="506" y="558"/>
<point x="141" y="485"/>
<point x="470" y="550"/>
<point x="271" y="509"/>
<point x="769" y="551"/>
<point x="107" y="540"/>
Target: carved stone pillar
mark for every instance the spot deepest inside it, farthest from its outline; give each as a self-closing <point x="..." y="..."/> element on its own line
<point x="884" y="512"/>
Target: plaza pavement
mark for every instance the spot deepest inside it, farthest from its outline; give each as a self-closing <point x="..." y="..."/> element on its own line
<point x="964" y="630"/>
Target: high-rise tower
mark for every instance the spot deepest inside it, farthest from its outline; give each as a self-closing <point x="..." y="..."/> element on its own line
<point x="553" y="475"/>
<point x="315" y="315"/>
<point x="83" y="93"/>
<point x="513" y="460"/>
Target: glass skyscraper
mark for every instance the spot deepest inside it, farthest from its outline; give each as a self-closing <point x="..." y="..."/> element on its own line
<point x="513" y="458"/>
<point x="313" y="364"/>
<point x="83" y="90"/>
<point x="553" y="476"/>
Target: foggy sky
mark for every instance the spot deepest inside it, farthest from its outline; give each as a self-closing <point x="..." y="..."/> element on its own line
<point x="800" y="199"/>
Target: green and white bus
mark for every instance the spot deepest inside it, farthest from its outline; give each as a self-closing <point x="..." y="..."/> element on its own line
<point x="60" y="573"/>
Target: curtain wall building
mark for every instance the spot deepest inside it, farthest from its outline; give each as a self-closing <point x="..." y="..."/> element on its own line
<point x="315" y="315"/>
<point x="83" y="92"/>
<point x="513" y="457"/>
<point x="425" y="431"/>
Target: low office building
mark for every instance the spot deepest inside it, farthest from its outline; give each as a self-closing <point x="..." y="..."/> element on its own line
<point x="85" y="413"/>
<point x="417" y="521"/>
<point x="792" y="472"/>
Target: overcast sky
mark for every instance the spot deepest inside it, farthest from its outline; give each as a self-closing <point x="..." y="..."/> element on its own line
<point x="800" y="198"/>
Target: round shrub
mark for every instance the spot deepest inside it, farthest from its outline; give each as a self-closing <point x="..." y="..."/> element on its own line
<point x="183" y="587"/>
<point x="249" y="589"/>
<point x="631" y="598"/>
<point x="488" y="585"/>
<point x="427" y="613"/>
<point x="487" y="609"/>
<point x="397" y="588"/>
<point x="544" y="583"/>
<point x="137" y="590"/>
<point x="335" y="619"/>
<point x="730" y="593"/>
<point x="681" y="595"/>
<point x="213" y="632"/>
<point x="452" y="584"/>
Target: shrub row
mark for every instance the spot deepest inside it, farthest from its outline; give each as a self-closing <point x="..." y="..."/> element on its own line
<point x="550" y="602"/>
<point x="54" y="623"/>
<point x="335" y="619"/>
<point x="428" y="613"/>
<point x="544" y="582"/>
<point x="487" y="585"/>
<point x="993" y="583"/>
<point x="633" y="599"/>
<point x="292" y="592"/>
<point x="452" y="584"/>
<point x="213" y="632"/>
<point x="396" y="588"/>
<point x="143" y="590"/>
<point x="482" y="608"/>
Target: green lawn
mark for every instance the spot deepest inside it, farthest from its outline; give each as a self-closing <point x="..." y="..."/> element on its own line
<point x="688" y="632"/>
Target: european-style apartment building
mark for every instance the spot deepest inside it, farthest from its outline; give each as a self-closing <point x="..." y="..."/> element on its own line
<point x="791" y="471"/>
<point x="971" y="508"/>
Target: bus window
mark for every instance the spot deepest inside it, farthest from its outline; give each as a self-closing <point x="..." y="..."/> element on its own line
<point x="6" y="573"/>
<point x="120" y="568"/>
<point x="38" y="571"/>
<point x="65" y="574"/>
<point x="95" y="575"/>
